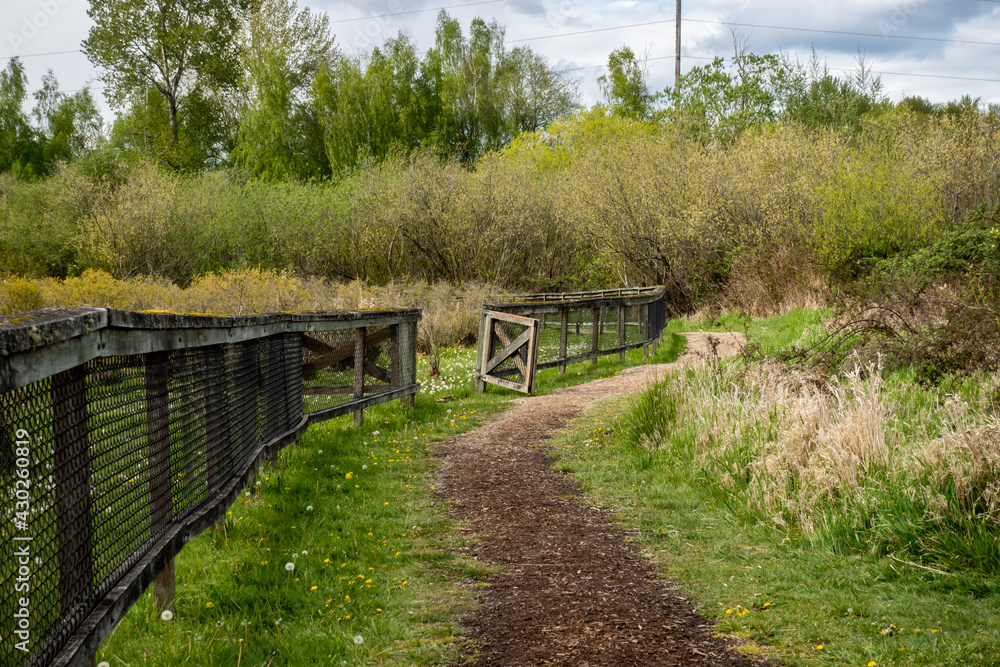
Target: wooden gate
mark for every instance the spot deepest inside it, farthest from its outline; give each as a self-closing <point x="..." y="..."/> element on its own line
<point x="508" y="352"/>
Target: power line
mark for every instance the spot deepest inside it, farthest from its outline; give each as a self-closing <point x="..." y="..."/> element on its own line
<point x="36" y="55"/>
<point x="587" y="32"/>
<point x="418" y="11"/>
<point x="577" y="69"/>
<point x="844" y="32"/>
<point x="838" y="69"/>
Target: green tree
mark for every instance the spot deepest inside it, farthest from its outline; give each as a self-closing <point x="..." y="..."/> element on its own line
<point x="814" y="97"/>
<point x="283" y="48"/>
<point x="487" y="94"/>
<point x="144" y="132"/>
<point x="20" y="144"/>
<point x="168" y="45"/>
<point x="466" y="97"/>
<point x="370" y="109"/>
<point x="537" y="94"/>
<point x="713" y="102"/>
<point x="70" y="125"/>
<point x="625" y="86"/>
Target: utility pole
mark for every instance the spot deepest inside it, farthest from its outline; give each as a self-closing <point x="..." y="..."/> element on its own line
<point x="677" y="63"/>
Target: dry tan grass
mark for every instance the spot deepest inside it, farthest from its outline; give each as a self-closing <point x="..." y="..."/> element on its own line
<point x="451" y="313"/>
<point x="808" y="447"/>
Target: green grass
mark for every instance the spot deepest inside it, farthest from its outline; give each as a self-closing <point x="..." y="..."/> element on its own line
<point x="788" y="591"/>
<point x="353" y="510"/>
<point x="377" y="538"/>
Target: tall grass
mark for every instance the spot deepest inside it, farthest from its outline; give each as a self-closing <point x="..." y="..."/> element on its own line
<point x="867" y="461"/>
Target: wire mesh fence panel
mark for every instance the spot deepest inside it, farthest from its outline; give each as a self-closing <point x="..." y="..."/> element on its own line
<point x="328" y="370"/>
<point x="30" y="535"/>
<point x="104" y="460"/>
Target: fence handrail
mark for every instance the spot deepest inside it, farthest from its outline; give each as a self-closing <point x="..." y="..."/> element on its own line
<point x="534" y="304"/>
<point x="564" y="296"/>
<point x="97" y="388"/>
<point x="42" y="343"/>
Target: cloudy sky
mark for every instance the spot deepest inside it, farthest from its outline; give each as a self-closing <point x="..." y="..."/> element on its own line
<point x="939" y="49"/>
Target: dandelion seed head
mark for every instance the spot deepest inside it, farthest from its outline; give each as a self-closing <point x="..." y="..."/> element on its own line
<point x="289" y="566"/>
<point x="358" y="639"/>
<point x="167" y="615"/>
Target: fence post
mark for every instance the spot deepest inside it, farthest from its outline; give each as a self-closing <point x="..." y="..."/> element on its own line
<point x="482" y="353"/>
<point x="359" y="371"/>
<point x="157" y="375"/>
<point x="408" y="342"/>
<point x="621" y="332"/>
<point x="71" y="472"/>
<point x="293" y="377"/>
<point x="595" y="333"/>
<point x="395" y="381"/>
<point x="563" y="332"/>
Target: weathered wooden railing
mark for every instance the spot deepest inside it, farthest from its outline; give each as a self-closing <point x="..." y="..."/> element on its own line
<point x="590" y="325"/>
<point x="123" y="435"/>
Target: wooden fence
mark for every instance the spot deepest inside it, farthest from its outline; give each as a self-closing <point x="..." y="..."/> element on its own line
<point x="125" y="434"/>
<point x="590" y="325"/>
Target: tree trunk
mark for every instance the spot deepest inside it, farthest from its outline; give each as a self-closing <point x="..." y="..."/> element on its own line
<point x="172" y="102"/>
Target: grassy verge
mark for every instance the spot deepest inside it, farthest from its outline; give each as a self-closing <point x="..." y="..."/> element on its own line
<point x="856" y="588"/>
<point x="352" y="510"/>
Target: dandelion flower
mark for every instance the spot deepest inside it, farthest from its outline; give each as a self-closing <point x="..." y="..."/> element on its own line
<point x="358" y="639"/>
<point x="819" y="648"/>
<point x="167" y="615"/>
<point x="349" y="475"/>
<point x="209" y="605"/>
<point x="314" y="588"/>
<point x="288" y="566"/>
<point x="872" y="663"/>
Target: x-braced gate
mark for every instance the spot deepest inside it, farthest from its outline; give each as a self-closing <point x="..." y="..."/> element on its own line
<point x="508" y="352"/>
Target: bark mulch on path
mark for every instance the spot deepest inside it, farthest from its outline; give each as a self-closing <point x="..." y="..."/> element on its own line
<point x="572" y="590"/>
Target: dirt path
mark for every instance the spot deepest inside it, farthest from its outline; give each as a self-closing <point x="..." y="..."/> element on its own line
<point x="572" y="590"/>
